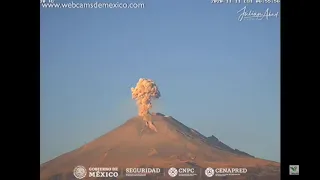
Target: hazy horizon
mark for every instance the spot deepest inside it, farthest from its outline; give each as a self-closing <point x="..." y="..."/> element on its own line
<point x="41" y="162"/>
<point x="216" y="74"/>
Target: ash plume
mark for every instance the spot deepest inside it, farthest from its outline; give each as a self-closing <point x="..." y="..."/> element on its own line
<point x="143" y="93"/>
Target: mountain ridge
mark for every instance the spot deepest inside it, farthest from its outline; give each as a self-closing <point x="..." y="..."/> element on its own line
<point x="133" y="145"/>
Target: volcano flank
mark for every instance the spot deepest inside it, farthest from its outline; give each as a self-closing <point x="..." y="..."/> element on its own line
<point x="173" y="145"/>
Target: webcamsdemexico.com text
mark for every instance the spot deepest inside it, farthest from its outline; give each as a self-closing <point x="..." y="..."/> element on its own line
<point x="96" y="5"/>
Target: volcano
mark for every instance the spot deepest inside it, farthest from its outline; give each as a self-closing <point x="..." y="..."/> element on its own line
<point x="173" y="145"/>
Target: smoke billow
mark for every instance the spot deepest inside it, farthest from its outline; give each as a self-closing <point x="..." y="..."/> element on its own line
<point x="143" y="93"/>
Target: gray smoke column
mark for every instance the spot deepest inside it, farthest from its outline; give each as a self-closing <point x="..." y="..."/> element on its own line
<point x="143" y="93"/>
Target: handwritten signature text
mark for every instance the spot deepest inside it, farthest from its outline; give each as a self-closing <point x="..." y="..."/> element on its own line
<point x="245" y="14"/>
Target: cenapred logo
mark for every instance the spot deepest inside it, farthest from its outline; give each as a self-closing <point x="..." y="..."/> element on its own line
<point x="79" y="172"/>
<point x="209" y="172"/>
<point x="173" y="172"/>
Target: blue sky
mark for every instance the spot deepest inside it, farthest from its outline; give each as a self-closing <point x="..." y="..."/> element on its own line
<point x="216" y="74"/>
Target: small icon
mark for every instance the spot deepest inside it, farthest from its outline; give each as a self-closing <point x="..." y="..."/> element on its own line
<point x="79" y="172"/>
<point x="294" y="169"/>
<point x="209" y="172"/>
<point x="173" y="172"/>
